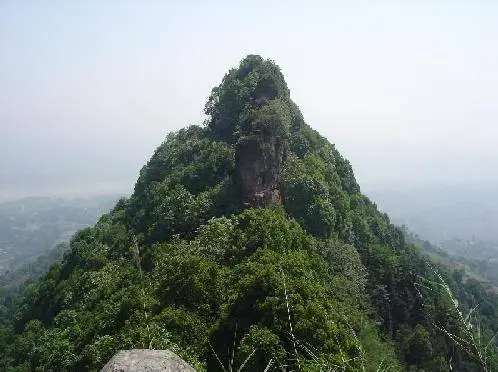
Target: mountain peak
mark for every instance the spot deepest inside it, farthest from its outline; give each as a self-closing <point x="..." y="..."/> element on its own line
<point x="243" y="90"/>
<point x="252" y="109"/>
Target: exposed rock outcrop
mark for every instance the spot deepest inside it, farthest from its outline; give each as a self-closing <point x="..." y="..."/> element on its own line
<point x="258" y="163"/>
<point x="146" y="361"/>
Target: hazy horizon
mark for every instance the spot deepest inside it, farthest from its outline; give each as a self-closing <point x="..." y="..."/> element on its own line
<point x="89" y="89"/>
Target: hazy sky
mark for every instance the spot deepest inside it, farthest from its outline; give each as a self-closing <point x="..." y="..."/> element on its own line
<point x="88" y="89"/>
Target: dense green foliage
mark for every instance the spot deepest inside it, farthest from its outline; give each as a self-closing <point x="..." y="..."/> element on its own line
<point x="320" y="281"/>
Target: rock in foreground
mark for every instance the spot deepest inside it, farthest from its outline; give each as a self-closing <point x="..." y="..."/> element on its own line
<point x="146" y="361"/>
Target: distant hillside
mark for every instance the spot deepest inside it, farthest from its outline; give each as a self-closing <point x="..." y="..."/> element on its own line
<point x="461" y="224"/>
<point x="32" y="226"/>
<point x="474" y="260"/>
<point x="441" y="214"/>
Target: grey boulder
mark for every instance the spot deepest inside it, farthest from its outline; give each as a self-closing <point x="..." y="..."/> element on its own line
<point x="146" y="361"/>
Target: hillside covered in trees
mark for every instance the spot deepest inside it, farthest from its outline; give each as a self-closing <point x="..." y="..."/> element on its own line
<point x="247" y="245"/>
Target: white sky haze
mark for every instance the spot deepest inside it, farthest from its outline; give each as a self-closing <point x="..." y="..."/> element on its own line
<point x="88" y="89"/>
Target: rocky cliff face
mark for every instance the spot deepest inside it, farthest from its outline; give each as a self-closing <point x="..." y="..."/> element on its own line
<point x="258" y="163"/>
<point x="146" y="361"/>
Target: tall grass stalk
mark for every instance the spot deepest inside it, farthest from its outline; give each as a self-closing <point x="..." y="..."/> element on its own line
<point x="470" y="340"/>
<point x="138" y="263"/>
<point x="289" y="317"/>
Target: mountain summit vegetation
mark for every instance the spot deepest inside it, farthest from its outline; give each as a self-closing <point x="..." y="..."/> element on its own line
<point x="248" y="246"/>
